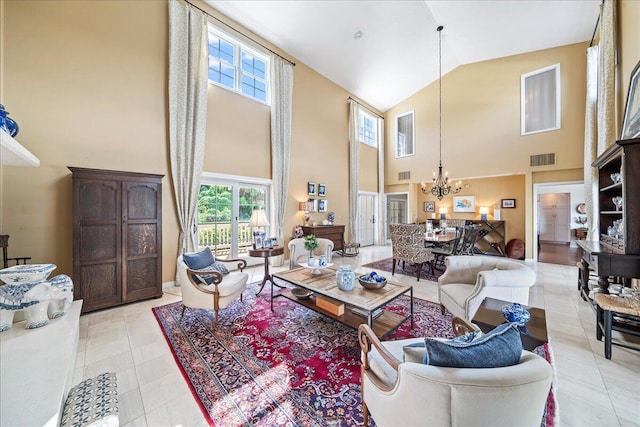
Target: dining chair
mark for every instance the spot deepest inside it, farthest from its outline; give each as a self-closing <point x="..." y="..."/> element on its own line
<point x="4" y="244"/>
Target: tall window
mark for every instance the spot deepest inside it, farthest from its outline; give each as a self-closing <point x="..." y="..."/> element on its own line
<point x="405" y="135"/>
<point x="237" y="67"/>
<point x="367" y="129"/>
<point x="540" y="100"/>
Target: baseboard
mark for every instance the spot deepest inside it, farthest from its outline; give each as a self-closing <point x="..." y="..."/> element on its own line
<point x="166" y="285"/>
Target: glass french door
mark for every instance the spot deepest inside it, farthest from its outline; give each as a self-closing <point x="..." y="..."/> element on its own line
<point x="396" y="212"/>
<point x="224" y="211"/>
<point x="366" y="219"/>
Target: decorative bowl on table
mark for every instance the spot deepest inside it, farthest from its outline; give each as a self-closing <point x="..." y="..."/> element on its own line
<point x="301" y="293"/>
<point x="515" y="313"/>
<point x="372" y="281"/>
<point x="26" y="273"/>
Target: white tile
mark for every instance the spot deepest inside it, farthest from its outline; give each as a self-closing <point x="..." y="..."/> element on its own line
<point x="163" y="390"/>
<point x="138" y="422"/>
<point x="184" y="411"/>
<point x="116" y="363"/>
<point x="131" y="407"/>
<point x="158" y="417"/>
<point x="154" y="369"/>
<point x="127" y="380"/>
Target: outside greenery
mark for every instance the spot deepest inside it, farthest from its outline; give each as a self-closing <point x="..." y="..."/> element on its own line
<point x="215" y="213"/>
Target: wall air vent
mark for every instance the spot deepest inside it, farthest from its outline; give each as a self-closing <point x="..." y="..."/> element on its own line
<point x="542" y="159"/>
<point x="404" y="175"/>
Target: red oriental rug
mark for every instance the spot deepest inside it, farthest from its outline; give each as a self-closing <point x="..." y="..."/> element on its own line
<point x="289" y="367"/>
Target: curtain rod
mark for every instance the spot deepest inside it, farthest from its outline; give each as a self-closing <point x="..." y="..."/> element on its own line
<point x="362" y="105"/>
<point x="240" y="32"/>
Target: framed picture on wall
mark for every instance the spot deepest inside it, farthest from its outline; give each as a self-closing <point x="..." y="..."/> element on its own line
<point x="322" y="190"/>
<point x="464" y="203"/>
<point x="322" y="205"/>
<point x="631" y="121"/>
<point x="315" y="205"/>
<point x="429" y="206"/>
<point x="311" y="188"/>
<point x="508" y="203"/>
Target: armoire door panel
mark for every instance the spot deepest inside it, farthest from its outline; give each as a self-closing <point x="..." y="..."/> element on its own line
<point x="100" y="201"/>
<point x="142" y="277"/>
<point x="141" y="201"/>
<point x="99" y="242"/>
<point x="101" y="284"/>
<point x="142" y="239"/>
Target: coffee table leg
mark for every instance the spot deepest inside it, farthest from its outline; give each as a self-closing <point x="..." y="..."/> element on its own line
<point x="370" y="320"/>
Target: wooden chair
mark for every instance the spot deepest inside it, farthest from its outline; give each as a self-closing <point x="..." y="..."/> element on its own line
<point x="4" y="243"/>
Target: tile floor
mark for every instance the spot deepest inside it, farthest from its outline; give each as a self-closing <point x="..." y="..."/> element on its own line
<point x="591" y="390"/>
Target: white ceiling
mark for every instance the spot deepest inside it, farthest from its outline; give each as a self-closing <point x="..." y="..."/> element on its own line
<point x="397" y="54"/>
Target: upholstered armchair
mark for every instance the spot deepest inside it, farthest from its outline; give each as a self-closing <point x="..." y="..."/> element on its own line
<point x="468" y="280"/>
<point x="398" y="393"/>
<point x="298" y="253"/>
<point x="210" y="285"/>
<point x="407" y="243"/>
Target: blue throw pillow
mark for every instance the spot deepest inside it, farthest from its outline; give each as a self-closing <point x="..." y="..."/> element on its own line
<point x="199" y="260"/>
<point x="498" y="348"/>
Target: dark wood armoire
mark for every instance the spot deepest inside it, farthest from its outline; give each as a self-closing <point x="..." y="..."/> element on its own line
<point x="117" y="237"/>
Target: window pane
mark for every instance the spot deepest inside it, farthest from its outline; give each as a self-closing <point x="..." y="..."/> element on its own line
<point x="541" y="100"/>
<point x="404" y="135"/>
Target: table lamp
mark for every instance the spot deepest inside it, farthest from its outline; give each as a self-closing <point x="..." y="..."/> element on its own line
<point x="258" y="219"/>
<point x="443" y="213"/>
<point x="484" y="211"/>
<point x="306" y="207"/>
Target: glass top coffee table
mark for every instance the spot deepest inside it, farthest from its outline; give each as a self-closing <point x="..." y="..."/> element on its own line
<point x="360" y="304"/>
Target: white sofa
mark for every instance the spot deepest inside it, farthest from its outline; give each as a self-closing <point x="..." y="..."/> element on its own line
<point x="468" y="280"/>
<point x="410" y="394"/>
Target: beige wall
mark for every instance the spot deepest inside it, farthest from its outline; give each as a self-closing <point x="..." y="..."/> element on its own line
<point x="629" y="48"/>
<point x="488" y="192"/>
<point x="86" y="81"/>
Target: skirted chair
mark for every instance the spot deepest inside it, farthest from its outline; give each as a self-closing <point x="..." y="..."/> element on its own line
<point x="207" y="284"/>
<point x="413" y="393"/>
<point x="407" y="244"/>
<point x="298" y="253"/>
<point x="468" y="280"/>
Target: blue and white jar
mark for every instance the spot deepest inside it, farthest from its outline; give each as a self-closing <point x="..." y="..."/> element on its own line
<point x="345" y="277"/>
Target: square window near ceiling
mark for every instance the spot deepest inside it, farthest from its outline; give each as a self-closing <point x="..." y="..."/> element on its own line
<point x="236" y="66"/>
<point x="540" y="100"/>
<point x="367" y="128"/>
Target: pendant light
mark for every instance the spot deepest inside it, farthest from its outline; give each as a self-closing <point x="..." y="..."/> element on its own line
<point x="441" y="187"/>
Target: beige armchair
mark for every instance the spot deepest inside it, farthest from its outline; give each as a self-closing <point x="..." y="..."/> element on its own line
<point x="215" y="293"/>
<point x="298" y="254"/>
<point x="410" y="394"/>
<point x="407" y="243"/>
<point x="468" y="280"/>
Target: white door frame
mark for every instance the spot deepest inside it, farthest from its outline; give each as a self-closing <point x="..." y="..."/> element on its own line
<point x="536" y="194"/>
<point x="375" y="210"/>
<point x="385" y="223"/>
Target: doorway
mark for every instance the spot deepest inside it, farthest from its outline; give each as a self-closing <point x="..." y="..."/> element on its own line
<point x="366" y="218"/>
<point x="554" y="222"/>
<point x="396" y="211"/>
<point x="224" y="211"/>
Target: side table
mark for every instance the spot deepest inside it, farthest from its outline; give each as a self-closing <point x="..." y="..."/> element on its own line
<point x="266" y="253"/>
<point x="489" y="315"/>
<point x="627" y="319"/>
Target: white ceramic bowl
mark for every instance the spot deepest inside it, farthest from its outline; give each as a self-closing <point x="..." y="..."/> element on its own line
<point x="29" y="273"/>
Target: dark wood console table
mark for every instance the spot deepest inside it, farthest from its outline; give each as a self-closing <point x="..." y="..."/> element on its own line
<point x="604" y="261"/>
<point x="335" y="233"/>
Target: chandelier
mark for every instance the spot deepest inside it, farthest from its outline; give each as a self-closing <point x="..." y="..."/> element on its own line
<point x="441" y="187"/>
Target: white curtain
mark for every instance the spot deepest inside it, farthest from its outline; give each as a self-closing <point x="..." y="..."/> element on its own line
<point x="281" y="107"/>
<point x="606" y="78"/>
<point x="354" y="169"/>
<point x="591" y="143"/>
<point x="187" y="113"/>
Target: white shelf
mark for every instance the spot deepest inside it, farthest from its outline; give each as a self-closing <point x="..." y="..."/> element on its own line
<point x="13" y="153"/>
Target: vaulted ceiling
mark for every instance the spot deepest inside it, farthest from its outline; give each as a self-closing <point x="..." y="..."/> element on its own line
<point x="397" y="52"/>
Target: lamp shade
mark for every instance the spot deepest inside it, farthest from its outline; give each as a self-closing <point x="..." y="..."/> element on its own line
<point x="484" y="210"/>
<point x="442" y="210"/>
<point x="258" y="218"/>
